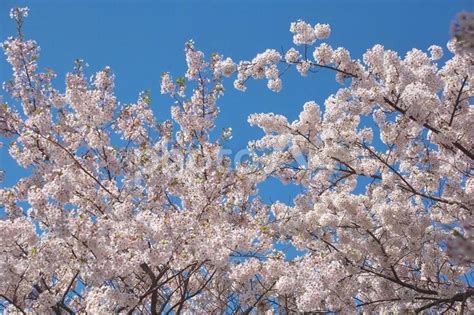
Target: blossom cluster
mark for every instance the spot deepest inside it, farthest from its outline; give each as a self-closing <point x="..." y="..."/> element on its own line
<point x="19" y="13"/>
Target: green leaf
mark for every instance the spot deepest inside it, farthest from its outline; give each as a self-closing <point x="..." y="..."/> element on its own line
<point x="181" y="81"/>
<point x="146" y="97"/>
<point x="457" y="233"/>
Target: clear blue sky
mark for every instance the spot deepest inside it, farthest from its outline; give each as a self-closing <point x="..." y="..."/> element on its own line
<point x="139" y="39"/>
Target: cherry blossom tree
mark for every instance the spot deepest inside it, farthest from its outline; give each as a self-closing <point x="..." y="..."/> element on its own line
<point x="125" y="214"/>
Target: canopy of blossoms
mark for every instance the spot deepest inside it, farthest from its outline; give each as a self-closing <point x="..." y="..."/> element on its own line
<point x="122" y="213"/>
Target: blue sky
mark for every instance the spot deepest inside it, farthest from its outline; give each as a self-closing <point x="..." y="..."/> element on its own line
<point x="140" y="39"/>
